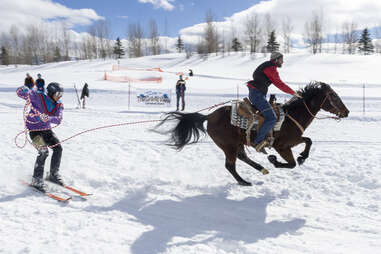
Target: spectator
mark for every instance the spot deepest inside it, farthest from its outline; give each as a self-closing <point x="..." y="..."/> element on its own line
<point x="84" y="94"/>
<point x="190" y="73"/>
<point x="29" y="82"/>
<point x="40" y="83"/>
<point x="180" y="93"/>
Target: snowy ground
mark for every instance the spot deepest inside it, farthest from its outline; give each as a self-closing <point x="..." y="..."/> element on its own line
<point x="149" y="198"/>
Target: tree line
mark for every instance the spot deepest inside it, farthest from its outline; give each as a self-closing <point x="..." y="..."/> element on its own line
<point x="38" y="44"/>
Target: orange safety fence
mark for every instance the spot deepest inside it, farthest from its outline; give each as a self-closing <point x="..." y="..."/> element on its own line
<point x="128" y="79"/>
<point x="122" y="68"/>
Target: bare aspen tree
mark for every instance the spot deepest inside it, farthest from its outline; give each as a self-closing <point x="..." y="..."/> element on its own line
<point x="102" y="33"/>
<point x="135" y="40"/>
<point x="377" y="34"/>
<point x="210" y="33"/>
<point x="65" y="40"/>
<point x="15" y="42"/>
<point x="313" y="33"/>
<point x="350" y="37"/>
<point x="287" y="29"/>
<point x="154" y="38"/>
<point x="253" y="32"/>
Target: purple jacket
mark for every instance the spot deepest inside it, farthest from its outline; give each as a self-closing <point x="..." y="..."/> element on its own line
<point x="41" y="104"/>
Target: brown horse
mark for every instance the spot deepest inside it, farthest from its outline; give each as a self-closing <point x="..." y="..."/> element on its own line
<point x="231" y="139"/>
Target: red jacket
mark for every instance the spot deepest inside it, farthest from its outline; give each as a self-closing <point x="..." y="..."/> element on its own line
<point x="265" y="75"/>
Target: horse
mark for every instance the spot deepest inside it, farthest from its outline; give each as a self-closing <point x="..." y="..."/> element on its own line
<point x="300" y="112"/>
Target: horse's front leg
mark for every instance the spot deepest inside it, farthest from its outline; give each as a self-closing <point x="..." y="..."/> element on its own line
<point x="286" y="154"/>
<point x="304" y="155"/>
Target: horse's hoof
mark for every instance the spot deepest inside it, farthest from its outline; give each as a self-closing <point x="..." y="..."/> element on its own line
<point x="301" y="160"/>
<point x="272" y="158"/>
<point x="244" y="183"/>
<point x="264" y="171"/>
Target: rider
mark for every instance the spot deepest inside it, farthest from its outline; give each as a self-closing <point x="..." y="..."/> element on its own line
<point x="265" y="75"/>
<point x="45" y="109"/>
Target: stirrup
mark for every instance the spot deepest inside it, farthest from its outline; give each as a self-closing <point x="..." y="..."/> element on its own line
<point x="261" y="147"/>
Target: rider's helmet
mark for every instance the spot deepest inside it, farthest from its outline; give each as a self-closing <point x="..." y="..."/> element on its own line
<point x="54" y="88"/>
<point x="276" y="55"/>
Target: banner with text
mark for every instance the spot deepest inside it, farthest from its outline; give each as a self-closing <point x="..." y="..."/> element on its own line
<point x="153" y="97"/>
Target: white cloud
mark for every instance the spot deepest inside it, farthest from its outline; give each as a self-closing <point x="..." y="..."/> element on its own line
<point x="365" y="13"/>
<point x="22" y="13"/>
<point x="165" y="4"/>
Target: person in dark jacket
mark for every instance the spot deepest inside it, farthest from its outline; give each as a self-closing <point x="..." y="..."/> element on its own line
<point x="46" y="109"/>
<point x="263" y="76"/>
<point x="180" y="93"/>
<point x="84" y="94"/>
<point x="29" y="82"/>
<point x="40" y="83"/>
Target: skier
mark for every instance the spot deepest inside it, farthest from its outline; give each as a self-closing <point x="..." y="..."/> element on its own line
<point x="29" y="82"/>
<point x="84" y="94"/>
<point x="180" y="92"/>
<point x="40" y="83"/>
<point x="45" y="109"/>
<point x="263" y="76"/>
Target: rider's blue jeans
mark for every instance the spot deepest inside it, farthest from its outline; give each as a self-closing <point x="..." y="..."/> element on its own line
<point x="258" y="99"/>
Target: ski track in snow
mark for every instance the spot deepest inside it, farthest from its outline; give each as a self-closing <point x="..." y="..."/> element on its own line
<point x="148" y="198"/>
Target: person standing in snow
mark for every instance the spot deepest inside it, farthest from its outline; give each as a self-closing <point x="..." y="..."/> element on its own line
<point x="263" y="76"/>
<point x="45" y="110"/>
<point x="40" y="83"/>
<point x="180" y="93"/>
<point x="29" y="82"/>
<point x="84" y="94"/>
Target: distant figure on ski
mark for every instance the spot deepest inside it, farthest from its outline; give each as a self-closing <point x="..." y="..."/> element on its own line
<point x="29" y="82"/>
<point x="263" y="76"/>
<point x="180" y="93"/>
<point x="84" y="94"/>
<point x="40" y="83"/>
<point x="190" y="73"/>
<point x="45" y="110"/>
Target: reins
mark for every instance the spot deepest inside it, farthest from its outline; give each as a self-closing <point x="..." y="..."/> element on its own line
<point x="314" y="115"/>
<point x="37" y="113"/>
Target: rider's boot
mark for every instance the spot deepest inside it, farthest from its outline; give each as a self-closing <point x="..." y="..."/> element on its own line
<point x="260" y="147"/>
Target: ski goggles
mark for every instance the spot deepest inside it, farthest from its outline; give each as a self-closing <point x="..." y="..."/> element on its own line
<point x="59" y="94"/>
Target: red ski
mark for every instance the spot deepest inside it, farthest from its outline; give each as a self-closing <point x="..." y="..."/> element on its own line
<point x="81" y="193"/>
<point x="47" y="193"/>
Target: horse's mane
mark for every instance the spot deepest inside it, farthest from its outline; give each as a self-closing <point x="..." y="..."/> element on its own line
<point x="311" y="90"/>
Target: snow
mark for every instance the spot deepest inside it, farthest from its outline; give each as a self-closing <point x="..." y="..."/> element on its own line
<point x="149" y="198"/>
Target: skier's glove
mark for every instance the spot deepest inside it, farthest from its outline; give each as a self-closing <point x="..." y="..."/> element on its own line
<point x="44" y="117"/>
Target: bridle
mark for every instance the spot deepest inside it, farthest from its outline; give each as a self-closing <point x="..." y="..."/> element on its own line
<point x="314" y="115"/>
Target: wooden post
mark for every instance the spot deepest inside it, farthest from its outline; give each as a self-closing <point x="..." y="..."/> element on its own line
<point x="363" y="99"/>
<point x="129" y="94"/>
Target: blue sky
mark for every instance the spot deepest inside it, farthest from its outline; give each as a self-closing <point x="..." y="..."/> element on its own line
<point x="184" y="13"/>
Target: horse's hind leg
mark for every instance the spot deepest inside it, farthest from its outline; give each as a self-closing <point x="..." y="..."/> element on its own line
<point x="243" y="157"/>
<point x="230" y="160"/>
<point x="287" y="155"/>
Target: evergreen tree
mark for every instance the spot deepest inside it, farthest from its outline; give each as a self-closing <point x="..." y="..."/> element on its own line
<point x="236" y="45"/>
<point x="272" y="45"/>
<point x="365" y="43"/>
<point x="4" y="56"/>
<point x="118" y="48"/>
<point x="179" y="44"/>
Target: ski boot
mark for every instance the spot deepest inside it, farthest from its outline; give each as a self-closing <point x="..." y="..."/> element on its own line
<point x="55" y="178"/>
<point x="38" y="183"/>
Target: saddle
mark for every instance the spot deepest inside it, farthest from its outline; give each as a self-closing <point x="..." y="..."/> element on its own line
<point x="243" y="113"/>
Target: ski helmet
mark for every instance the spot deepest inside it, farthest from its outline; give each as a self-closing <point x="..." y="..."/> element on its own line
<point x="275" y="55"/>
<point x="54" y="88"/>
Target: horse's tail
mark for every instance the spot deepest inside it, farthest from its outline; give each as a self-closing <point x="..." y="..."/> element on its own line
<point x="189" y="125"/>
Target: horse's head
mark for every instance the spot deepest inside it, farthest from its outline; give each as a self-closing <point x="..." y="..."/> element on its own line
<point x="332" y="102"/>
